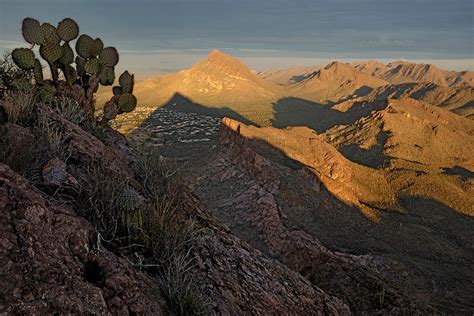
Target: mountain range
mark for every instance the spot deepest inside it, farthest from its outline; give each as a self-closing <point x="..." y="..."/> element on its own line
<point x="222" y="85"/>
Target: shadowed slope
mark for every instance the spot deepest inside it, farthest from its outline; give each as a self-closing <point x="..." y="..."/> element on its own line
<point x="335" y="82"/>
<point x="288" y="76"/>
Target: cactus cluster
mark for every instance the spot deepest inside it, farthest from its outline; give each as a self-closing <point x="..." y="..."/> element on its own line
<point x="123" y="100"/>
<point x="94" y="64"/>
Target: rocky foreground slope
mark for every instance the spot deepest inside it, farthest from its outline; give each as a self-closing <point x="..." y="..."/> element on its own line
<point x="54" y="261"/>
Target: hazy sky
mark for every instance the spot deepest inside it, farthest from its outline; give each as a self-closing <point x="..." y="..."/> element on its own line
<point x="155" y="36"/>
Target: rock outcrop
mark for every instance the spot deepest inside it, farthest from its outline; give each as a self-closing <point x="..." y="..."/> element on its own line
<point x="49" y="262"/>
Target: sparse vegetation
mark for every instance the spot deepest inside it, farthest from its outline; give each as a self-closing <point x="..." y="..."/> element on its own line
<point x="142" y="218"/>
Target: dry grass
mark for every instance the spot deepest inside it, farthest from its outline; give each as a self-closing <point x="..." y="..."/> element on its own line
<point x="71" y="110"/>
<point x="142" y="219"/>
<point x="52" y="136"/>
<point x="19" y="106"/>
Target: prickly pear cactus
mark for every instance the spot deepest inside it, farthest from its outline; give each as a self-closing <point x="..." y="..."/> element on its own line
<point x="70" y="73"/>
<point x="111" y="110"/>
<point x="24" y="58"/>
<point x="106" y="76"/>
<point x="68" y="29"/>
<point x="80" y="64"/>
<point x="31" y="31"/>
<point x="97" y="47"/>
<point x="84" y="45"/>
<point x="127" y="102"/>
<point x="92" y="66"/>
<point x="117" y="91"/>
<point x="68" y="55"/>
<point x="126" y="81"/>
<point x="109" y="56"/>
<point x="51" y="53"/>
<point x="38" y="72"/>
<point x="50" y="34"/>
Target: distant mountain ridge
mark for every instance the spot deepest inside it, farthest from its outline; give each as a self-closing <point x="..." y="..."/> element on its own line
<point x="405" y="72"/>
<point x="221" y="85"/>
<point x="334" y="82"/>
<point x="290" y="75"/>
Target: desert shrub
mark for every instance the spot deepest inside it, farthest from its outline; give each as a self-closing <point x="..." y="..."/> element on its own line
<point x="178" y="283"/>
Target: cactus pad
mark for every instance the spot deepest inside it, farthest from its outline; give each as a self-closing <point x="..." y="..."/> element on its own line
<point x="97" y="47"/>
<point x="80" y="63"/>
<point x="68" y="29"/>
<point x="109" y="56"/>
<point x="93" y="84"/>
<point x="92" y="66"/>
<point x="117" y="90"/>
<point x="68" y="55"/>
<point x="24" y="58"/>
<point x="38" y="72"/>
<point x="51" y="53"/>
<point x="127" y="102"/>
<point x="107" y="76"/>
<point x="50" y="34"/>
<point x="31" y="30"/>
<point x="70" y="74"/>
<point x="110" y="110"/>
<point x="126" y="81"/>
<point x="84" y="45"/>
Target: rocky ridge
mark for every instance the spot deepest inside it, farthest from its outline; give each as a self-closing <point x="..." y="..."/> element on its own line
<point x="53" y="261"/>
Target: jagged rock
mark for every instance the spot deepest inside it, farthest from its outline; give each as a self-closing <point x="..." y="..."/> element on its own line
<point x="241" y="280"/>
<point x="48" y="263"/>
<point x="18" y="145"/>
<point x="86" y="152"/>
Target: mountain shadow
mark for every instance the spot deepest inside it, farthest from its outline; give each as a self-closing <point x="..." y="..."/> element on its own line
<point x="374" y="157"/>
<point x="463" y="173"/>
<point x="179" y="102"/>
<point x="429" y="242"/>
<point x="290" y="111"/>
